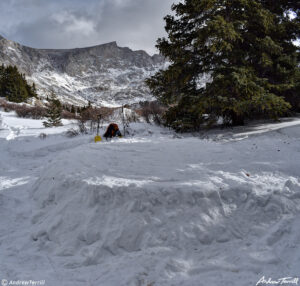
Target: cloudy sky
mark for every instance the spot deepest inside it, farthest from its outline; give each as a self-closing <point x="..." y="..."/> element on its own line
<point x="81" y="23"/>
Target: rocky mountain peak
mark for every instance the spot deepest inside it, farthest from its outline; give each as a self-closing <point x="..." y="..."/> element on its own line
<point x="105" y="74"/>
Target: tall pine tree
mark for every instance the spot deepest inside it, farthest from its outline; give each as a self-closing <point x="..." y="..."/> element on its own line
<point x="242" y="46"/>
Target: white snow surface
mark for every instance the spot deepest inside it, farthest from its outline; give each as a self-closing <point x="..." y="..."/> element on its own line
<point x="12" y="126"/>
<point x="155" y="208"/>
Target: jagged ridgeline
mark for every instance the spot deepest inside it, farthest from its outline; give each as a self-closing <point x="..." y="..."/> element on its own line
<point x="105" y="74"/>
<point x="13" y="85"/>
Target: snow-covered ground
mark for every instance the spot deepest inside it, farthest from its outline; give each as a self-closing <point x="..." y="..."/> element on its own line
<point x="12" y="126"/>
<point x="221" y="208"/>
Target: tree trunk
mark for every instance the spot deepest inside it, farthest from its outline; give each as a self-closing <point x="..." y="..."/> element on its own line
<point x="237" y="120"/>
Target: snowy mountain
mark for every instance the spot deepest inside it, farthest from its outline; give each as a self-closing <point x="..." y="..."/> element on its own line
<point x="104" y="74"/>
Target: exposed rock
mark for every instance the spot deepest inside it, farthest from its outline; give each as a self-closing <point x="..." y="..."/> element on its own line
<point x="104" y="74"/>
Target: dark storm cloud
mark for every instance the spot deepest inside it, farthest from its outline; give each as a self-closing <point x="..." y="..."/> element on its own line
<point x="81" y="23"/>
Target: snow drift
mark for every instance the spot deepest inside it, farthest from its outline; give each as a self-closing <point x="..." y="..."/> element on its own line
<point x="217" y="213"/>
<point x="153" y="209"/>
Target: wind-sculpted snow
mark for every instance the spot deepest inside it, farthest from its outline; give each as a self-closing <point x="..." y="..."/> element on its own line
<point x="104" y="74"/>
<point x="155" y="209"/>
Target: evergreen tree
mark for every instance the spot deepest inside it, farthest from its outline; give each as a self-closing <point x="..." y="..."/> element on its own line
<point x="282" y="70"/>
<point x="54" y="110"/>
<point x="2" y="69"/>
<point x="244" y="46"/>
<point x="14" y="86"/>
<point x="32" y="90"/>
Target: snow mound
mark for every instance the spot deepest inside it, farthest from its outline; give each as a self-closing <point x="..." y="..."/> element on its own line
<point x="192" y="220"/>
<point x="117" y="215"/>
<point x="153" y="208"/>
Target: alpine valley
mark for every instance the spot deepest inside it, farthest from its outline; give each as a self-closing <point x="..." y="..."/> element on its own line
<point x="106" y="74"/>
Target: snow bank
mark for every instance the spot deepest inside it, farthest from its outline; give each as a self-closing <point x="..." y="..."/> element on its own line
<point x="12" y="126"/>
<point x="179" y="209"/>
<point x="152" y="209"/>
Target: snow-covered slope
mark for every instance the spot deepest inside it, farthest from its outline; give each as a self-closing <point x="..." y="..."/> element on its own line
<point x="153" y="209"/>
<point x="104" y="74"/>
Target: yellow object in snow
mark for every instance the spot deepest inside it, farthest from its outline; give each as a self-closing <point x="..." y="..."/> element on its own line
<point x="98" y="138"/>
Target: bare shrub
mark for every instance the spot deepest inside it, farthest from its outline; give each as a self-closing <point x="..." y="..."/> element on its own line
<point x="7" y="106"/>
<point x="90" y="117"/>
<point x="35" y="112"/>
<point x="81" y="126"/>
<point x="133" y="117"/>
<point x="72" y="132"/>
<point x="105" y="112"/>
<point x="22" y="111"/>
<point x="151" y="111"/>
<point x="38" y="112"/>
<point x="2" y="103"/>
<point x="25" y="111"/>
<point x="68" y="115"/>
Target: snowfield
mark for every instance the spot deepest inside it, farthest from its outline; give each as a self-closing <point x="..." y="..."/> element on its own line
<point x="156" y="208"/>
